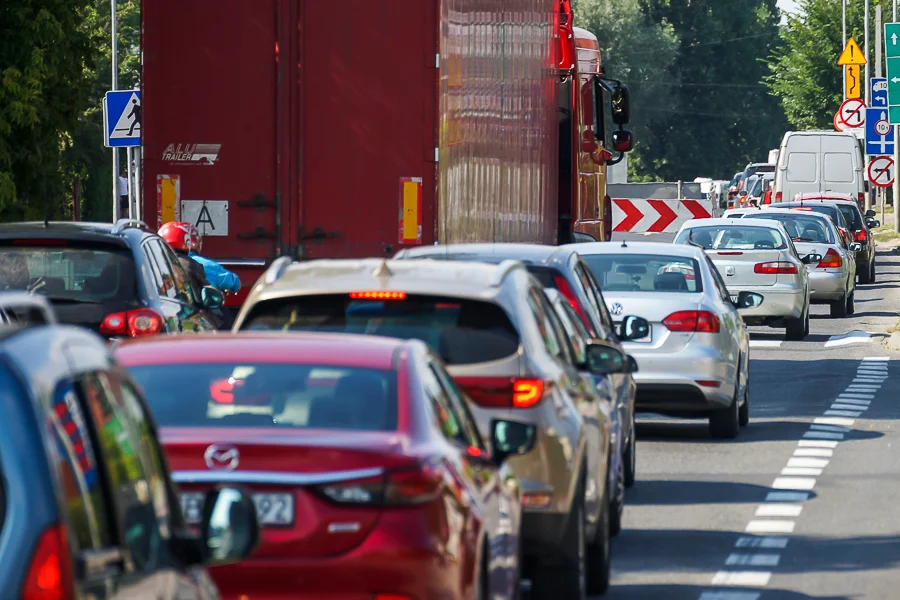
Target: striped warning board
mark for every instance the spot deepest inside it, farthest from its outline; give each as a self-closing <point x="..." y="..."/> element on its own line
<point x="657" y="216"/>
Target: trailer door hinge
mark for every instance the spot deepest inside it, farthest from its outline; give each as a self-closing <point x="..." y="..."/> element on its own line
<point x="437" y="155"/>
<point x="437" y="60"/>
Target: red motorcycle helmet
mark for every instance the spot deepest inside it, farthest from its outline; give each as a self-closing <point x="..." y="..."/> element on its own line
<point x="181" y="236"/>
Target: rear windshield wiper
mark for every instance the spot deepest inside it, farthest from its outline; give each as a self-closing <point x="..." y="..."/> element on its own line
<point x="70" y="300"/>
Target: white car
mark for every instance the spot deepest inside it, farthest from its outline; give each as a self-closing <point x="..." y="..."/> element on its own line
<point x="758" y="255"/>
<point x="695" y="359"/>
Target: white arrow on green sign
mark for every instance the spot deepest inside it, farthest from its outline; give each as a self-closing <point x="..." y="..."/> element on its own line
<point x="892" y="52"/>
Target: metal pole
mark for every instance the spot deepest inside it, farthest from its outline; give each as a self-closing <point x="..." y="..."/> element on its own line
<point x="138" y="213"/>
<point x="881" y="193"/>
<point x="128" y="155"/>
<point x="843" y="43"/>
<point x="896" y="187"/>
<point x="868" y="89"/>
<point x="115" y="86"/>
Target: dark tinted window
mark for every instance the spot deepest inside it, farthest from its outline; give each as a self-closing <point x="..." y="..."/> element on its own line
<point x="576" y="335"/>
<point x="68" y="271"/>
<point x="460" y="331"/>
<point x="459" y="405"/>
<point x="162" y="271"/>
<point x="446" y="417"/>
<point x="266" y="395"/>
<point x="646" y="273"/>
<point x="540" y="309"/>
<point x="852" y="215"/>
<point x="182" y="282"/>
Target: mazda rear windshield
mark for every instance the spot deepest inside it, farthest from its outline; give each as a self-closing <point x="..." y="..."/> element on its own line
<point x="270" y="395"/>
<point x="461" y="331"/>
<point x="66" y="271"/>
<point x="645" y="273"/>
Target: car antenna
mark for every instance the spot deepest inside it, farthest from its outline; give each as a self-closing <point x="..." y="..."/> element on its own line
<point x="624" y="245"/>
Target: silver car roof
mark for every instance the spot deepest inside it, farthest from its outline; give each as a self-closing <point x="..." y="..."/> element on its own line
<point x="685" y="250"/>
<point x="745" y="222"/>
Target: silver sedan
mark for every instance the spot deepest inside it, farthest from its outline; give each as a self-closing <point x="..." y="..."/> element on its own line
<point x="695" y="359"/>
<point x="758" y="255"/>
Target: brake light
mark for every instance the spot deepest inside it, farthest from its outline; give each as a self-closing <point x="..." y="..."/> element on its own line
<point x="50" y="574"/>
<point x="768" y="198"/>
<point x="417" y="485"/>
<point x="730" y="253"/>
<point x="778" y="267"/>
<point x="778" y="196"/>
<point x="862" y="199"/>
<point x="861" y="235"/>
<point x="692" y="320"/>
<point x="831" y="260"/>
<point x="133" y="323"/>
<point x="502" y="392"/>
<point x="802" y="208"/>
<point x="569" y="294"/>
<point x="378" y="295"/>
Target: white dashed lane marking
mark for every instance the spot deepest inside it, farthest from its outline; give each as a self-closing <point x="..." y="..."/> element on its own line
<point x="792" y="489"/>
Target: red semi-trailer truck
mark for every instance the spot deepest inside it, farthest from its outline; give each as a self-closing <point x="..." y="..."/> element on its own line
<point x="288" y="127"/>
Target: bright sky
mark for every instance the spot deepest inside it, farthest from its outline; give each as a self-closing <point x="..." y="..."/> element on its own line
<point x="788" y="5"/>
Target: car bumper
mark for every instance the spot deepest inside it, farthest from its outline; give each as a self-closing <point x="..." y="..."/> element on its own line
<point x="668" y="382"/>
<point x="827" y="285"/>
<point x="778" y="302"/>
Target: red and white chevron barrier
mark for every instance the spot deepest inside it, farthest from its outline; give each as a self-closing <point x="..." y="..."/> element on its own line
<point x="657" y="216"/>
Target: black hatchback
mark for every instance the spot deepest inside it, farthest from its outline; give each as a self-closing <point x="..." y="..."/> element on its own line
<point x="120" y="280"/>
<point x="87" y="507"/>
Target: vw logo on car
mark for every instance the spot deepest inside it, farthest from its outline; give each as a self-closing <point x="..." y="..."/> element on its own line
<point x="616" y="308"/>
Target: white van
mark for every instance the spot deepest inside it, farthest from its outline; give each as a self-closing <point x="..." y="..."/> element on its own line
<point x="819" y="161"/>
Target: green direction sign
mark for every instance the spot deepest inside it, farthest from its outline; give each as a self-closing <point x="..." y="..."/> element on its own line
<point x="892" y="52"/>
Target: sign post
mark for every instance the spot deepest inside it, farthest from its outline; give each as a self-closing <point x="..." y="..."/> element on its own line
<point x="892" y="62"/>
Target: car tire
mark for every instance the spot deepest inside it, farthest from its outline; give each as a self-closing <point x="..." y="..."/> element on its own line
<point x="797" y="329"/>
<point x="568" y="577"/>
<point x="744" y="412"/>
<point x="839" y="307"/>
<point x="630" y="458"/>
<point x="617" y="501"/>
<point x="851" y="305"/>
<point x="724" y="424"/>
<point x="872" y="275"/>
<point x="864" y="277"/>
<point x="599" y="554"/>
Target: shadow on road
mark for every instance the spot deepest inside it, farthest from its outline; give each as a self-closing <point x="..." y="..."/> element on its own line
<point x="760" y="429"/>
<point x="692" y="592"/>
<point x="668" y="493"/>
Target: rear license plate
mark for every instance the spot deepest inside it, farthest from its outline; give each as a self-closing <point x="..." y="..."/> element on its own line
<point x="272" y="510"/>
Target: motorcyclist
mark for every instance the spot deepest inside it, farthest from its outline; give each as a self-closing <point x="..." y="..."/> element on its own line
<point x="183" y="237"/>
<point x="217" y="275"/>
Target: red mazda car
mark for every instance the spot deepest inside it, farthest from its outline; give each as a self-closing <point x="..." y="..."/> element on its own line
<point x="368" y="474"/>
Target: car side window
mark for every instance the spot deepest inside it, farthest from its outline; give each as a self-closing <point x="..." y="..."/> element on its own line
<point x="129" y="473"/>
<point x="719" y="283"/>
<point x="594" y="290"/>
<point x="545" y="327"/>
<point x="568" y="353"/>
<point x="182" y="282"/>
<point x="164" y="277"/>
<point x="458" y="403"/>
<point x="446" y="418"/>
<point x="576" y="331"/>
<point x="77" y="472"/>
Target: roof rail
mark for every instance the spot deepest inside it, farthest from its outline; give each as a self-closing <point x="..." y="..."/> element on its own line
<point x="21" y="308"/>
<point x="123" y="224"/>
<point x="277" y="269"/>
<point x="503" y="270"/>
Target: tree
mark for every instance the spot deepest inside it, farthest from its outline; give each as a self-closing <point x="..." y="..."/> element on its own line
<point x="45" y="54"/>
<point x="803" y="71"/>
<point x="637" y="51"/>
<point x="723" y="116"/>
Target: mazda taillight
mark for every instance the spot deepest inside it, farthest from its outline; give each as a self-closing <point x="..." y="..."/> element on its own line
<point x="569" y="294"/>
<point x="831" y="260"/>
<point x="861" y="235"/>
<point x="133" y="323"/>
<point x="776" y="267"/>
<point x="503" y="392"/>
<point x="50" y="573"/>
<point x="692" y="320"/>
<point x="407" y="486"/>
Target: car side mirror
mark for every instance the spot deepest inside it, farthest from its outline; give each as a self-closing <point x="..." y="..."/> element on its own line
<point x="870" y="213"/>
<point x="872" y="223"/>
<point x="633" y="328"/>
<point x="211" y="297"/>
<point x="622" y="140"/>
<point x="229" y="529"/>
<point x="855" y="247"/>
<point x="632" y="364"/>
<point x="811" y="258"/>
<point x="511" y="438"/>
<point x="748" y="300"/>
<point x="742" y="193"/>
<point x="605" y="359"/>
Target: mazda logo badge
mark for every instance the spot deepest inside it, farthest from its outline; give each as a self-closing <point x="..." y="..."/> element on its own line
<point x="616" y="308"/>
<point x="220" y="457"/>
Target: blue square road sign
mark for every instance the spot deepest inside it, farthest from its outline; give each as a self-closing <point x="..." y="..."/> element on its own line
<point x="879" y="132"/>
<point x="122" y="119"/>
<point x="879" y="92"/>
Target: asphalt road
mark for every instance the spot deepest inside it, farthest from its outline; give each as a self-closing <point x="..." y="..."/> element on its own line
<point x="805" y="504"/>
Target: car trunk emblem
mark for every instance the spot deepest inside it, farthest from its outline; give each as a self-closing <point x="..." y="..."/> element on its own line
<point x="221" y="457"/>
<point x="616" y="308"/>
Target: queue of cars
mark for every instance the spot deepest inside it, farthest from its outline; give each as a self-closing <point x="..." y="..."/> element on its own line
<point x="454" y="422"/>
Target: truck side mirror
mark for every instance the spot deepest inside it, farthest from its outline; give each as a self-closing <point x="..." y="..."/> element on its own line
<point x="599" y="133"/>
<point x="621" y="105"/>
<point x="622" y="140"/>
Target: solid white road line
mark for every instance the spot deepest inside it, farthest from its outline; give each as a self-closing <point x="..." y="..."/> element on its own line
<point x="770" y="527"/>
<point x="818" y="463"/>
<point x="856" y="401"/>
<point x="813" y="452"/>
<point x="800" y="471"/>
<point x="747" y="559"/>
<point x="837" y="406"/>
<point x="816" y="444"/>
<point x="779" y="510"/>
<point x="853" y="337"/>
<point x="869" y="380"/>
<point x="877" y="358"/>
<point x="835" y="428"/>
<point x="856" y="396"/>
<point x="801" y="484"/>
<point x="833" y="421"/>
<point x="742" y="578"/>
<point x="842" y="413"/>
<point x="787" y="497"/>
<point x="823" y="435"/>
<point x="768" y="542"/>
<point x="729" y="596"/>
<point x="765" y="343"/>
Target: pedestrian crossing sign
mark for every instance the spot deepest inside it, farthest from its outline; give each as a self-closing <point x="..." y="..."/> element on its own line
<point x="122" y="119"/>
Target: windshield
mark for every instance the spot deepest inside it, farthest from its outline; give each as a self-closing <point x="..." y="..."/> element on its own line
<point x="645" y="273"/>
<point x="733" y="237"/>
<point x="81" y="274"/>
<point x="461" y="331"/>
<point x="802" y="228"/>
<point x="261" y="395"/>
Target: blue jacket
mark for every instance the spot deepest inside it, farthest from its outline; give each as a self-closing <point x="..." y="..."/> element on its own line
<point x="217" y="275"/>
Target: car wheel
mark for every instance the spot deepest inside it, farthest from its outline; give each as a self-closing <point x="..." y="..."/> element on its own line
<point x="839" y="308"/>
<point x="630" y="458"/>
<point x="797" y="329"/>
<point x="617" y="501"/>
<point x="864" y="277"/>
<point x="568" y="578"/>
<point x="599" y="554"/>
<point x="872" y="275"/>
<point x="724" y="424"/>
<point x="744" y="412"/>
<point x="851" y="307"/>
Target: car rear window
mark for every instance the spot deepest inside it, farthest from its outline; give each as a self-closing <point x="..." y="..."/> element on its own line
<point x="462" y="331"/>
<point x="852" y="215"/>
<point x="733" y="237"/>
<point x="645" y="273"/>
<point x="825" y="209"/>
<point x="801" y="228"/>
<point x="267" y="395"/>
<point x="68" y="271"/>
